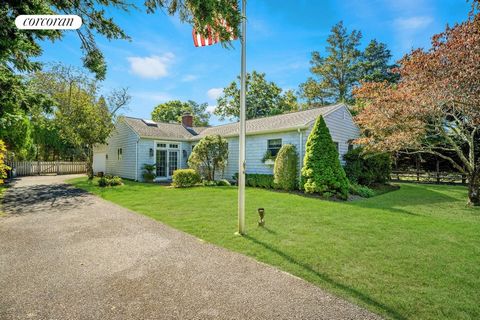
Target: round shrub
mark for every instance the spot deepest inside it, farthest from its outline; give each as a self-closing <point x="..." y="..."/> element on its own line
<point x="322" y="172"/>
<point x="184" y="178"/>
<point x="110" y="181"/>
<point x="367" y="168"/>
<point x="285" y="168"/>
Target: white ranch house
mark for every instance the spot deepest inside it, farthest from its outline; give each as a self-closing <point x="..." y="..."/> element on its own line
<point x="136" y="142"/>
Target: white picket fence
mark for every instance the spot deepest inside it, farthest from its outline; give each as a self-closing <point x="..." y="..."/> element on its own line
<point x="32" y="168"/>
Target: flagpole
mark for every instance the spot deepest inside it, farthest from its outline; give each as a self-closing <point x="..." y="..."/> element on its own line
<point x="241" y="156"/>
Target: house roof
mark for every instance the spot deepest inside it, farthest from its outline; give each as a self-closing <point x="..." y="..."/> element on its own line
<point x="278" y="123"/>
<point x="161" y="130"/>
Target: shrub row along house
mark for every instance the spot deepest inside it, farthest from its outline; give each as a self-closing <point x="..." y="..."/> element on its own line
<point x="136" y="142"/>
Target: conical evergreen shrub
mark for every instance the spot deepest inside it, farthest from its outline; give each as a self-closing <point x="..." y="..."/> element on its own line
<point x="285" y="169"/>
<point x="322" y="172"/>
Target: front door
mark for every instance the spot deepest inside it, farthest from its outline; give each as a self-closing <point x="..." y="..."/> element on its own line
<point x="161" y="163"/>
<point x="167" y="163"/>
<point x="172" y="162"/>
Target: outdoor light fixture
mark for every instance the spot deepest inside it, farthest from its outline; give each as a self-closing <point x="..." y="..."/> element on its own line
<point x="261" y="214"/>
<point x="185" y="154"/>
<point x="150" y="152"/>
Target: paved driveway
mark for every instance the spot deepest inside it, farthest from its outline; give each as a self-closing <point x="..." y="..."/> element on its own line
<point x="66" y="254"/>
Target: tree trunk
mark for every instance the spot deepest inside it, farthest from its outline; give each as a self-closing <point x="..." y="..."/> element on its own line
<point x="473" y="190"/>
<point x="89" y="163"/>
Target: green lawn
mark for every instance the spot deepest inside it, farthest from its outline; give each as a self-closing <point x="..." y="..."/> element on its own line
<point x="412" y="253"/>
<point x="3" y="188"/>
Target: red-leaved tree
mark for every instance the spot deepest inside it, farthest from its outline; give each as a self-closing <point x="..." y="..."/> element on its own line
<point x="435" y="108"/>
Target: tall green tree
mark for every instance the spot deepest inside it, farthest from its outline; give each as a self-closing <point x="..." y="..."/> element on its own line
<point x="375" y="64"/>
<point x="173" y="111"/>
<point x="322" y="172"/>
<point x="81" y="117"/>
<point x="337" y="72"/>
<point x="17" y="99"/>
<point x="209" y="156"/>
<point x="19" y="47"/>
<point x="263" y="98"/>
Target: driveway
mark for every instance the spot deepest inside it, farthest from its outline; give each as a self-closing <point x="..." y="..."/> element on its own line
<point x="66" y="254"/>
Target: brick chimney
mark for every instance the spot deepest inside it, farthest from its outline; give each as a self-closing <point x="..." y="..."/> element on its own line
<point x="187" y="120"/>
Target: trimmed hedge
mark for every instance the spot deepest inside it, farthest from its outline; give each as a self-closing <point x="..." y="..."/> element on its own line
<point x="184" y="178"/>
<point x="367" y="168"/>
<point x="362" y="191"/>
<point x="322" y="172"/>
<point x="285" y="168"/>
<point x="257" y="180"/>
<point x="109" y="181"/>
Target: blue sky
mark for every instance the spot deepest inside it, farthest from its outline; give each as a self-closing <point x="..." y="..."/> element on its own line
<point x="160" y="63"/>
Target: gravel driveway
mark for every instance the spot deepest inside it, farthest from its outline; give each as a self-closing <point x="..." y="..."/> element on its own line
<point x="66" y="254"/>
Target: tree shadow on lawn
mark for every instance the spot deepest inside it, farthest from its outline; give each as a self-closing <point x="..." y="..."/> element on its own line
<point x="326" y="278"/>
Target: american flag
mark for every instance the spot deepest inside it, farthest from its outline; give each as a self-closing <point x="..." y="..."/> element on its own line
<point x="201" y="41"/>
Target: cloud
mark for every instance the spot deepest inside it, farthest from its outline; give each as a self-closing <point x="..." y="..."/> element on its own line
<point x="413" y="23"/>
<point x="189" y="77"/>
<point x="152" y="97"/>
<point x="412" y="32"/>
<point x="211" y="109"/>
<point x="153" y="67"/>
<point x="214" y="93"/>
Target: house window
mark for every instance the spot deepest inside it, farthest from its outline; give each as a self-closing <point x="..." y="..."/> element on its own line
<point x="273" y="146"/>
<point x="161" y="145"/>
<point x="173" y="146"/>
<point x="119" y="154"/>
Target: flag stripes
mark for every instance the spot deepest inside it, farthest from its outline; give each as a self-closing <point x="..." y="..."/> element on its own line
<point x="202" y="41"/>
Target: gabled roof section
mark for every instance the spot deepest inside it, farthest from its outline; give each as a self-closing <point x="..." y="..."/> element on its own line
<point x="161" y="131"/>
<point x="279" y="123"/>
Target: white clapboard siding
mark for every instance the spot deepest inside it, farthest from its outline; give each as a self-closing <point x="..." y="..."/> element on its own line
<point x="31" y="168"/>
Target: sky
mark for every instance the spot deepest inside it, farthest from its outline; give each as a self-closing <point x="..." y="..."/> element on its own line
<point x="160" y="63"/>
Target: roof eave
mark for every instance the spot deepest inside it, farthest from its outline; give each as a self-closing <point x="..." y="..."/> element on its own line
<point x="294" y="128"/>
<point x="165" y="138"/>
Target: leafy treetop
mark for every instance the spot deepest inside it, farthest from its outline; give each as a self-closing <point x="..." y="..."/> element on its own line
<point x="173" y="111"/>
<point x="263" y="98"/>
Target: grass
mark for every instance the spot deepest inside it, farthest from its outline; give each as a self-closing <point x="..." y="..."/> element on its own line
<point x="409" y="254"/>
<point x="3" y="188"/>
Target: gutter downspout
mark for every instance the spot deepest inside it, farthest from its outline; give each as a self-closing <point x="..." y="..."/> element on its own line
<point x="136" y="159"/>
